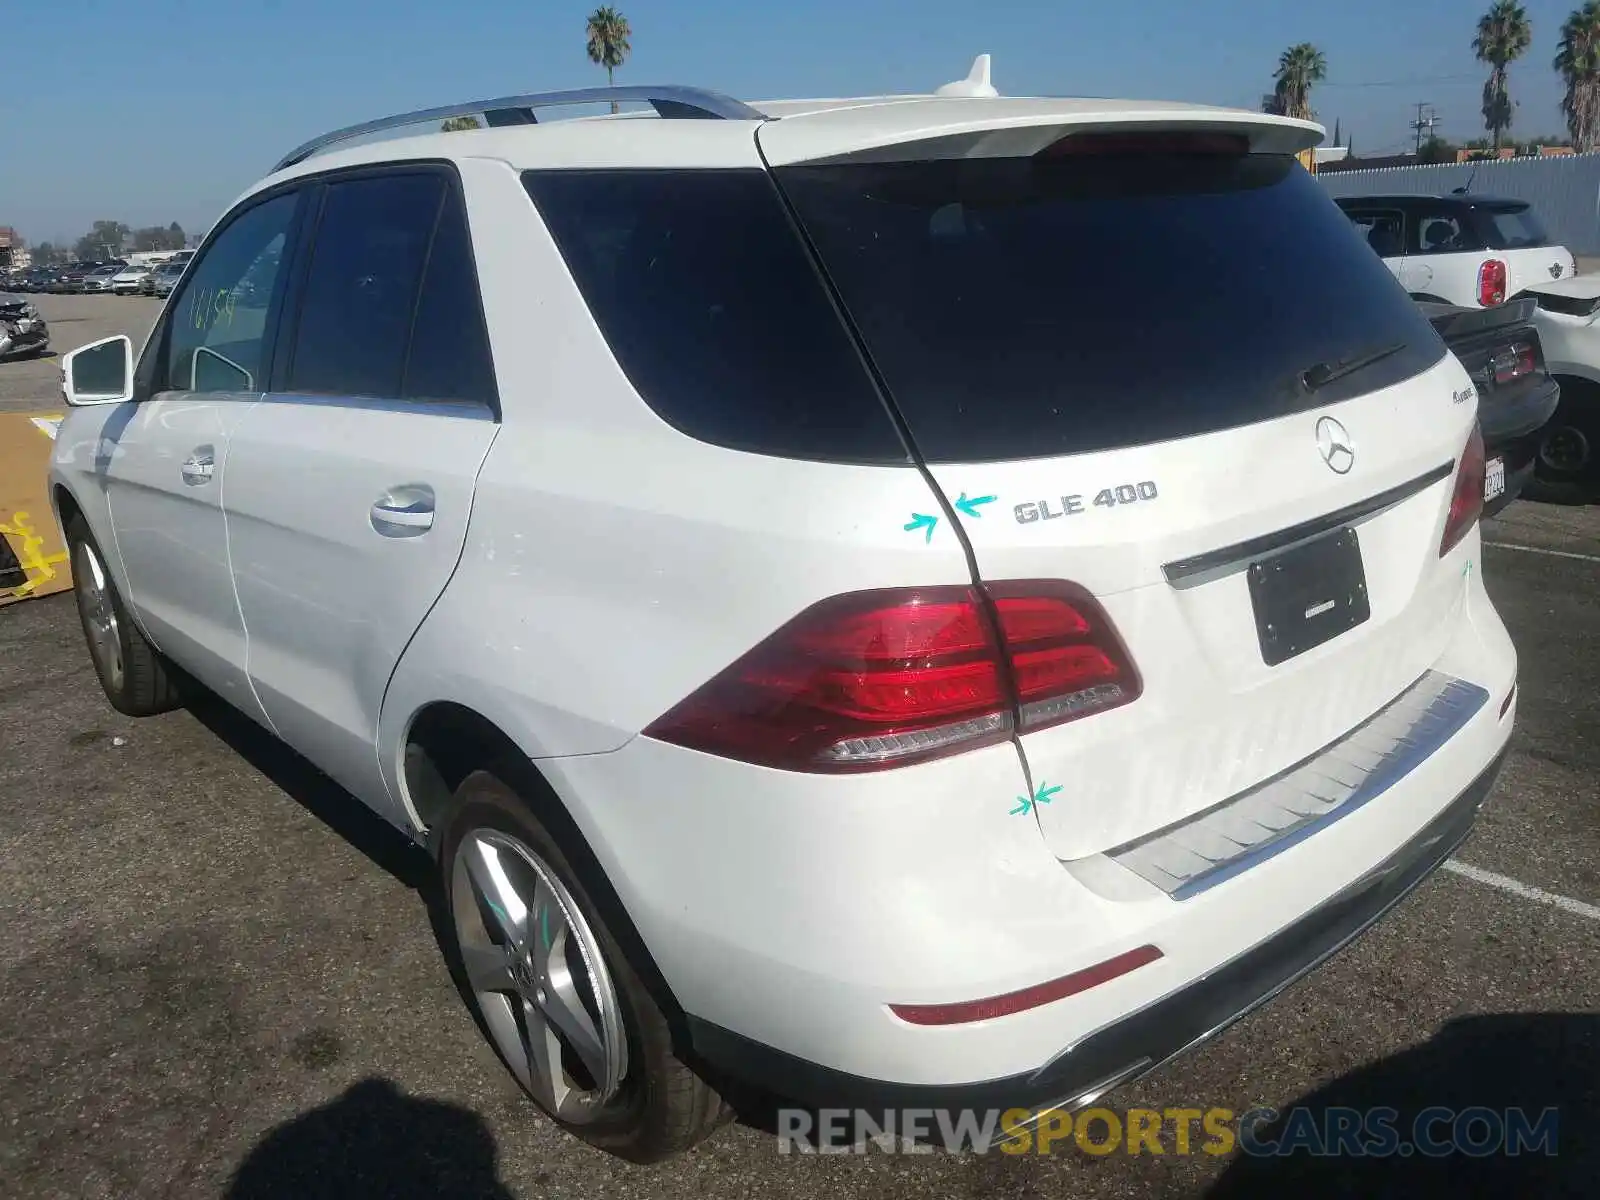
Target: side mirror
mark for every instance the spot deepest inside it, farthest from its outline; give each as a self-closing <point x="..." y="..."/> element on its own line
<point x="99" y="373"/>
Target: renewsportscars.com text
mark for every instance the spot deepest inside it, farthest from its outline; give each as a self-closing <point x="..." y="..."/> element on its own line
<point x="1259" y="1132"/>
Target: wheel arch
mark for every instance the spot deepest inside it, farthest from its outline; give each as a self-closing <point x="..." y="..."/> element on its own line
<point x="446" y="741"/>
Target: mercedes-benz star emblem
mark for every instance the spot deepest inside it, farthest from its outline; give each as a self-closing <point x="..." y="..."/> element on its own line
<point x="1333" y="443"/>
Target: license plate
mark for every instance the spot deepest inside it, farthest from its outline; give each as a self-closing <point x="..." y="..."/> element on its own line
<point x="1308" y="595"/>
<point x="1494" y="478"/>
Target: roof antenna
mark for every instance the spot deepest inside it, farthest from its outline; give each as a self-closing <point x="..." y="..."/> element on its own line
<point x="975" y="84"/>
<point x="1467" y="186"/>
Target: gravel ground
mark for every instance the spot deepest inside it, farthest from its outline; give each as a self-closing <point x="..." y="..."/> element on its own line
<point x="217" y="976"/>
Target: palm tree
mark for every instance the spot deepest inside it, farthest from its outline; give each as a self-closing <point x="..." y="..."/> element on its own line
<point x="608" y="41"/>
<point x="1578" y="62"/>
<point x="1298" y="68"/>
<point x="457" y="124"/>
<point x="1503" y="37"/>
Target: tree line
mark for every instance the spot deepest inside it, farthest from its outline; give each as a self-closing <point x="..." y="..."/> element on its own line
<point x="1503" y="36"/>
<point x="111" y="239"/>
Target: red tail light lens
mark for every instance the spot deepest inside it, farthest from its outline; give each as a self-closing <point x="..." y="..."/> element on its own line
<point x="1513" y="363"/>
<point x="1492" y="283"/>
<point x="1466" y="502"/>
<point x="883" y="678"/>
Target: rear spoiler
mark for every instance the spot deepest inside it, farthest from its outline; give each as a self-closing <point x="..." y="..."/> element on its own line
<point x="1556" y="302"/>
<point x="1006" y="127"/>
<point x="1456" y="323"/>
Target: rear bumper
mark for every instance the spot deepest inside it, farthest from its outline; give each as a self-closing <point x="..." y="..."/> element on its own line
<point x="1145" y="1039"/>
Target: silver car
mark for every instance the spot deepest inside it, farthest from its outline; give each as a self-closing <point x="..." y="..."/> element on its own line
<point x="161" y="280"/>
<point x="127" y="281"/>
<point x="99" y="279"/>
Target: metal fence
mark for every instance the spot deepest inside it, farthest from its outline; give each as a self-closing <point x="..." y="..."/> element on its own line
<point x="1564" y="190"/>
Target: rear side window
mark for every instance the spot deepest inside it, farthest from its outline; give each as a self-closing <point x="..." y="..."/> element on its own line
<point x="362" y="285"/>
<point x="1030" y="307"/>
<point x="1440" y="233"/>
<point x="1513" y="228"/>
<point x="449" y="357"/>
<point x="708" y="300"/>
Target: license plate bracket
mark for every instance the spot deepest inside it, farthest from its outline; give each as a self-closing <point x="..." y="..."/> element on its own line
<point x="1308" y="595"/>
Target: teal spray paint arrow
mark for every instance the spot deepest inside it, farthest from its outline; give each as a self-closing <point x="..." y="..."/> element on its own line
<point x="922" y="521"/>
<point x="1044" y="796"/>
<point x="970" y="507"/>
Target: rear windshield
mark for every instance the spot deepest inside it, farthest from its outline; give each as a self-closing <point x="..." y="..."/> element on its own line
<point x="1513" y="228"/>
<point x="1028" y="307"/>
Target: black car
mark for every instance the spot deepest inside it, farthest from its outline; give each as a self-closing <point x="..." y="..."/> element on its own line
<point x="1501" y="350"/>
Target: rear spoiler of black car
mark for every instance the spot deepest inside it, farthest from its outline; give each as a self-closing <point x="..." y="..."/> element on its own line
<point x="1572" y="306"/>
<point x="1456" y="323"/>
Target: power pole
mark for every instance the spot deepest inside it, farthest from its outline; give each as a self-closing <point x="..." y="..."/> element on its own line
<point x="1426" y="119"/>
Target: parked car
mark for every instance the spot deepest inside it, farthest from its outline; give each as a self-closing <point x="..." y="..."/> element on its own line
<point x="1516" y="396"/>
<point x="34" y="279"/>
<point x="1567" y="317"/>
<point x="864" y="672"/>
<point x="70" y="278"/>
<point x="1468" y="250"/>
<point x="160" y="281"/>
<point x="99" y="279"/>
<point x="22" y="329"/>
<point x="128" y="281"/>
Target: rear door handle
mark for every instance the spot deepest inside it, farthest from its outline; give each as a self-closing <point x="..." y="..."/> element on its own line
<point x="197" y="468"/>
<point x="404" y="511"/>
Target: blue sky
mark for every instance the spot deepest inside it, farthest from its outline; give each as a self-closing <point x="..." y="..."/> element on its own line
<point x="166" y="109"/>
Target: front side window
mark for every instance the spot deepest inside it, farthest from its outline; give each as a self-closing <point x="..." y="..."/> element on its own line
<point x="1383" y="229"/>
<point x="219" y="320"/>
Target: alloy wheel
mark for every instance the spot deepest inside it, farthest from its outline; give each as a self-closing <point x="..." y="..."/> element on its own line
<point x="538" y="975"/>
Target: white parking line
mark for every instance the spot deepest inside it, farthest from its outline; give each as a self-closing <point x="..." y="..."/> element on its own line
<point x="1538" y="895"/>
<point x="1594" y="558"/>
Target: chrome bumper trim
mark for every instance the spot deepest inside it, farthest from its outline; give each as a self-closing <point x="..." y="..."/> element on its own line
<point x="1198" y="853"/>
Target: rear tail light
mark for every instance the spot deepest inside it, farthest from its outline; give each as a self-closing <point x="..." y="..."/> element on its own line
<point x="1513" y="363"/>
<point x="1466" y="502"/>
<point x="1492" y="283"/>
<point x="878" y="679"/>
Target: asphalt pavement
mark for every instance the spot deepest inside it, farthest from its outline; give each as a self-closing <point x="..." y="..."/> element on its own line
<point x="217" y="976"/>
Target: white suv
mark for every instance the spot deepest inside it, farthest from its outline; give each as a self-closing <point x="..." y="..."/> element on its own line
<point x="904" y="602"/>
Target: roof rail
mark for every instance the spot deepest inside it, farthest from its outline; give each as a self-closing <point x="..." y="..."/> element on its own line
<point x="670" y="101"/>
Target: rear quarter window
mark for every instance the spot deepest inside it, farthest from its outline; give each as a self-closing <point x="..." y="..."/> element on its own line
<point x="713" y="309"/>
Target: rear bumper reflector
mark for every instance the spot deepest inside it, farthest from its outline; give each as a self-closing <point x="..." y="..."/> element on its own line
<point x="1505" y="705"/>
<point x="1029" y="997"/>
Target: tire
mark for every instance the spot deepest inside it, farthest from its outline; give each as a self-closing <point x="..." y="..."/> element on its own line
<point x="646" y="1106"/>
<point x="133" y="675"/>
<point x="1567" y="461"/>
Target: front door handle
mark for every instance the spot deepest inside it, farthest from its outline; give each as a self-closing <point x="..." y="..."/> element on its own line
<point x="404" y="511"/>
<point x="197" y="468"/>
